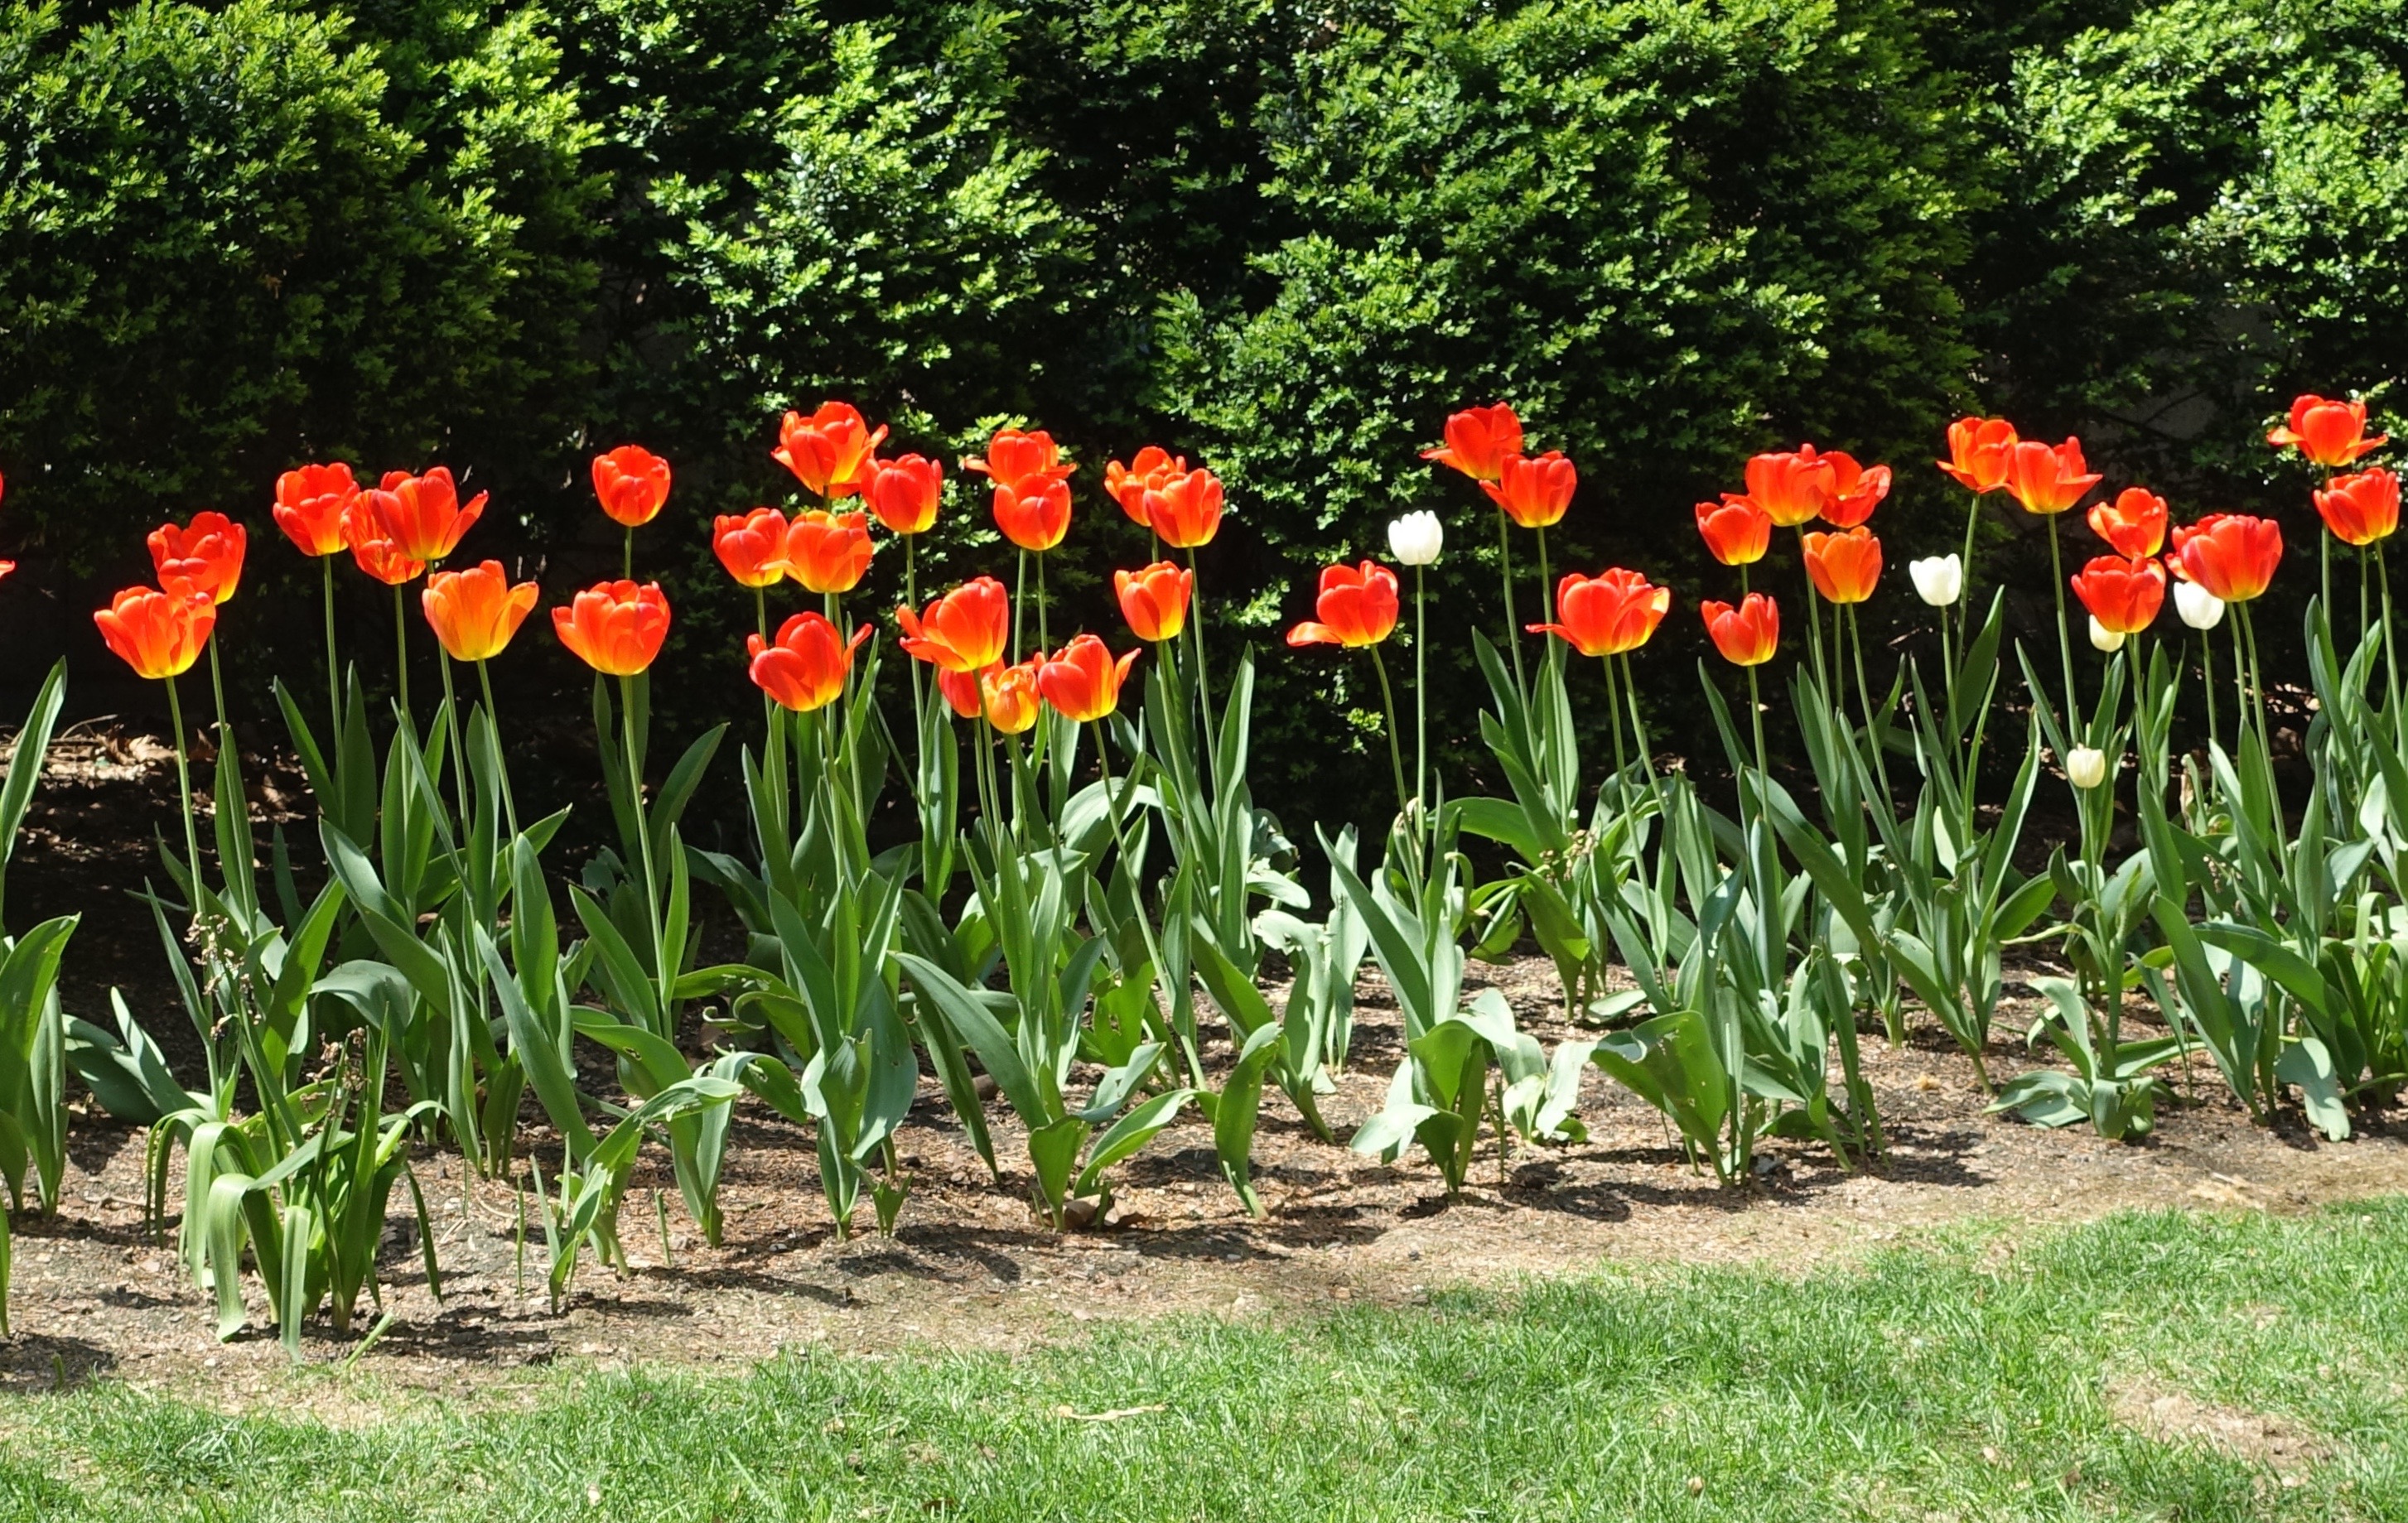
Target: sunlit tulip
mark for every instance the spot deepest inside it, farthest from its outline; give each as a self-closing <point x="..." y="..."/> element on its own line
<point x="1735" y="530"/>
<point x="6" y="568"/>
<point x="422" y="515"/>
<point x="614" y="626"/>
<point x="1154" y="600"/>
<point x="904" y="491"/>
<point x="631" y="483"/>
<point x="2199" y="607"/>
<point x="1478" y="440"/>
<point x="376" y="552"/>
<point x="1128" y="484"/>
<point x="1608" y="614"/>
<point x="1791" y="486"/>
<point x="2134" y="524"/>
<point x="2104" y="639"/>
<point x="752" y="545"/>
<point x="1939" y="580"/>
<point x="1416" y="538"/>
<point x="829" y="452"/>
<point x="1534" y="492"/>
<point x="805" y="668"/>
<point x="1186" y="511"/>
<point x="1979" y="449"/>
<point x="964" y="631"/>
<point x="962" y="692"/>
<point x="205" y="554"/>
<point x="310" y="502"/>
<point x="2331" y="434"/>
<point x="2362" y="508"/>
<point x="2048" y="478"/>
<point x="1856" y="490"/>
<point x="2123" y="594"/>
<point x="828" y="552"/>
<point x="1081" y="680"/>
<point x="1843" y="567"/>
<point x="1013" y="455"/>
<point x="2085" y="767"/>
<point x="1355" y="607"/>
<point x="1011" y="696"/>
<point x="2232" y="555"/>
<point x="160" y="634"/>
<point x="1746" y="635"/>
<point x="475" y="612"/>
<point x="1034" y="511"/>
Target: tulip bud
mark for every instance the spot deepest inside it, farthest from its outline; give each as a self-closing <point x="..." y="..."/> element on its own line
<point x="2104" y="639"/>
<point x="2199" y="607"/>
<point x="2085" y="767"/>
<point x="1939" y="580"/>
<point x="1415" y="538"/>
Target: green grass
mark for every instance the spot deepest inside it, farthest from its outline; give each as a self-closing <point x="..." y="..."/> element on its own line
<point x="1872" y="1391"/>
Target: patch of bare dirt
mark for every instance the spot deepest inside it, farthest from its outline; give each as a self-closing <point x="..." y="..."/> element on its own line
<point x="2176" y="1417"/>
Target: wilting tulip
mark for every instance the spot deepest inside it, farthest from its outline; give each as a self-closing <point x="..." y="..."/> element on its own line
<point x="828" y="552"/>
<point x="752" y="545"/>
<point x="2104" y="639"/>
<point x="376" y="552"/>
<point x="1478" y="440"/>
<point x="614" y="626"/>
<point x="1128" y="484"/>
<point x="1355" y="607"/>
<point x="2199" y="607"/>
<point x="1186" y="511"/>
<point x="961" y="692"/>
<point x="1013" y="455"/>
<point x="1534" y="492"/>
<point x="2232" y="555"/>
<point x="2123" y="594"/>
<point x="422" y="515"/>
<point x="1081" y="680"/>
<point x="1856" y="490"/>
<point x="1012" y="695"/>
<point x="964" y="631"/>
<point x="904" y="492"/>
<point x="1939" y="580"/>
<point x="1980" y="450"/>
<point x="2048" y="478"/>
<point x="1746" y="635"/>
<point x="160" y="634"/>
<point x="475" y="612"/>
<point x="1791" y="486"/>
<point x="806" y="667"/>
<point x="2331" y="434"/>
<point x="205" y="554"/>
<point x="2134" y="524"/>
<point x="2085" y="767"/>
<point x="1034" y="511"/>
<point x="1608" y="614"/>
<point x="632" y="483"/>
<point x="829" y="452"/>
<point x="310" y="502"/>
<point x="1843" y="567"/>
<point x="1415" y="538"/>
<point x="2362" y="508"/>
<point x="1735" y="530"/>
<point x="1154" y="600"/>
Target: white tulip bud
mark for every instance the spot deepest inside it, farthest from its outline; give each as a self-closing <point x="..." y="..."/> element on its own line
<point x="2085" y="767"/>
<point x="1414" y="539"/>
<point x="2200" y="609"/>
<point x="1939" y="580"/>
<point x="2104" y="639"/>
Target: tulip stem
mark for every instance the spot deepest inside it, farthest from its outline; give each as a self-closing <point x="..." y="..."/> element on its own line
<point x="1421" y="685"/>
<point x="1019" y="586"/>
<point x="2207" y="682"/>
<point x="1396" y="752"/>
<point x="510" y="804"/>
<point x="1755" y="717"/>
<point x="1814" y="618"/>
<point x="184" y="798"/>
<point x="1637" y="724"/>
<point x="644" y="850"/>
<point x="333" y="678"/>
<point x="1203" y="674"/>
<point x="2324" y="567"/>
<point x="1865" y="692"/>
<point x="451" y="722"/>
<point x="2064" y="639"/>
<point x="217" y="684"/>
<point x="1973" y="519"/>
<point x="1136" y="897"/>
<point x="401" y="659"/>
<point x="1512" y="629"/>
<point x="2257" y="686"/>
<point x="2391" y="661"/>
<point x="1613" y="723"/>
<point x="627" y="556"/>
<point x="1044" y="638"/>
<point x="2365" y="625"/>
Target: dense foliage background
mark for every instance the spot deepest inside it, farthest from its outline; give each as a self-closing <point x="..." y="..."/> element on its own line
<point x="1286" y="239"/>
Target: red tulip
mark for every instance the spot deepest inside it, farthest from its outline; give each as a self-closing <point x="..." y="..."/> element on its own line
<point x="1533" y="493"/>
<point x="1186" y="511"/>
<point x="1034" y="511"/>
<point x="964" y="631"/>
<point x="310" y="502"/>
<point x="2123" y="593"/>
<point x="752" y="545"/>
<point x="806" y="667"/>
<point x="1012" y="695"/>
<point x="1154" y="600"/>
<point x="422" y="514"/>
<point x="160" y="634"/>
<point x="2362" y="508"/>
<point x="373" y="550"/>
<point x="1081" y="680"/>
<point x="1013" y="455"/>
<point x="828" y="552"/>
<point x="1746" y="635"/>
<point x="2134" y="522"/>
<point x="1608" y="614"/>
<point x="2331" y="434"/>
<point x="614" y="626"/>
<point x="904" y="491"/>
<point x="2232" y="555"/>
<point x="1856" y="490"/>
<point x="1843" y="567"/>
<point x="830" y="451"/>
<point x="1735" y="530"/>
<point x="1478" y="439"/>
<point x="1791" y="486"/>
<point x="2048" y="478"/>
<point x="206" y="554"/>
<point x="961" y="692"/>
<point x="475" y="613"/>
<point x="5" y="568"/>
<point x="1979" y="451"/>
<point x="1357" y="606"/>
<point x="1128" y="484"/>
<point x="632" y="483"/>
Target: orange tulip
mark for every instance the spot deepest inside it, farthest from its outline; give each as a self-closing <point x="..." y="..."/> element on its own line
<point x="904" y="492"/>
<point x="6" y="567"/>
<point x="806" y="667"/>
<point x="2232" y="555"/>
<point x="422" y="514"/>
<point x="1843" y="567"/>
<point x="1979" y="449"/>
<point x="475" y="612"/>
<point x="964" y="631"/>
<point x="206" y="554"/>
<point x="1736" y="530"/>
<point x="1533" y="491"/>
<point x="1607" y="614"/>
<point x="1856" y="490"/>
<point x="1746" y="635"/>
<point x="1128" y="484"/>
<point x="310" y="502"/>
<point x="1791" y="486"/>
<point x="1357" y="606"/>
<point x="1012" y="695"/>
<point x="2123" y="593"/>
<point x="829" y="451"/>
<point x="1081" y="680"/>
<point x="375" y="552"/>
<point x="752" y="545"/>
<point x="1033" y="512"/>
<point x="160" y="634"/>
<point x="2362" y="508"/>
<point x="1013" y="455"/>
<point x="1478" y="439"/>
<point x="1154" y="600"/>
<point x="2134" y="524"/>
<point x="828" y="552"/>
<point x="632" y="483"/>
<point x="614" y="626"/>
<point x="1186" y="511"/>
<point x="2048" y="478"/>
<point x="961" y="692"/>
<point x="2331" y="434"/>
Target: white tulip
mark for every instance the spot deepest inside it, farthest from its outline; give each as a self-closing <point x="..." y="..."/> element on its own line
<point x="2085" y="767"/>
<point x="2104" y="639"/>
<point x="2200" y="609"/>
<point x="1414" y="539"/>
<point x="1939" y="580"/>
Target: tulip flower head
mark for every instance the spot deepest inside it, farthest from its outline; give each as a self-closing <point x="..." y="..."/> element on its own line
<point x="2134" y="524"/>
<point x="828" y="552"/>
<point x="475" y="612"/>
<point x="1081" y="680"/>
<point x="2331" y="434"/>
<point x="961" y="692"/>
<point x="614" y="626"/>
<point x="631" y="483"/>
<point x="1478" y="440"/>
<point x="964" y="631"/>
<point x="1735" y="530"/>
<point x="422" y="515"/>
<point x="1357" y="606"/>
<point x="1013" y="455"/>
<point x="1844" y="567"/>
<point x="806" y="667"/>
<point x="830" y="451"/>
<point x="752" y="545"/>
<point x="2360" y="508"/>
<point x="205" y="554"/>
<point x="1979" y="452"/>
<point x="1746" y="635"/>
<point x="1791" y="486"/>
<point x="1128" y="484"/>
<point x="1011" y="695"/>
<point x="1034" y="511"/>
<point x="1186" y="511"/>
<point x="1607" y="614"/>
<point x="310" y="502"/>
<point x="376" y="552"/>
<point x="904" y="491"/>
<point x="158" y="634"/>
<point x="1939" y="580"/>
<point x="1415" y="538"/>
<point x="2199" y="607"/>
<point x="1154" y="600"/>
<point x="2232" y="555"/>
<point x="2122" y="594"/>
<point x="2048" y="478"/>
<point x="2085" y="767"/>
<point x="1533" y="491"/>
<point x="1856" y="490"/>
<point x="2104" y="639"/>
